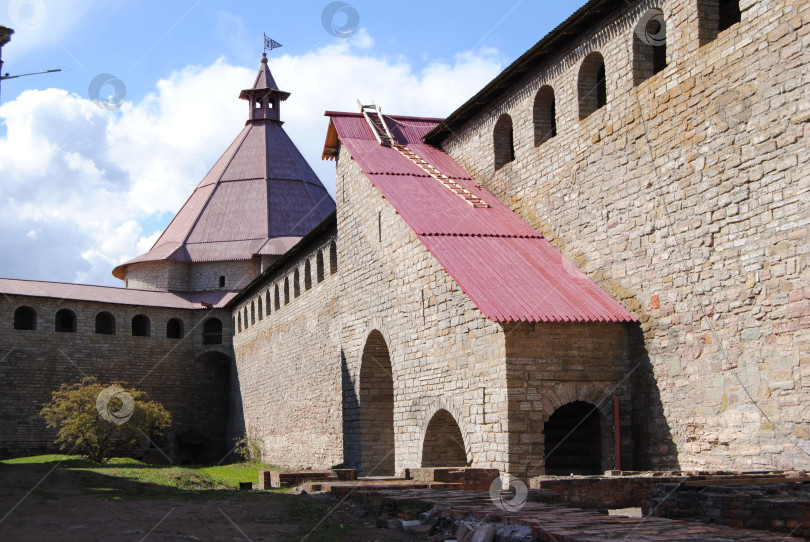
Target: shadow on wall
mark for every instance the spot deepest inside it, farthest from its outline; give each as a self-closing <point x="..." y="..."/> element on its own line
<point x="351" y="417"/>
<point x="653" y="447"/>
<point x="236" y="427"/>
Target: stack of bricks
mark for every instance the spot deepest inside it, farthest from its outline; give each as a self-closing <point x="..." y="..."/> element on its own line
<point x="776" y="507"/>
<point x="469" y="478"/>
<point x="600" y="491"/>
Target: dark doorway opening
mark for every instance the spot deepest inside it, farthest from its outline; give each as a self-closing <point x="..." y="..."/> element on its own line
<point x="573" y="440"/>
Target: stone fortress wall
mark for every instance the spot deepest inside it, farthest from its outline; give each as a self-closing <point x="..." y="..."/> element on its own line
<point x="288" y="359"/>
<point x="191" y="277"/>
<point x="190" y="378"/>
<point x="685" y="197"/>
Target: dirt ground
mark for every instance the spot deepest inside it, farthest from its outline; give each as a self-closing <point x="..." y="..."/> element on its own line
<point x="41" y="504"/>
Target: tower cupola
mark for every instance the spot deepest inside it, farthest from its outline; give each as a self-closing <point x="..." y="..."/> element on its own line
<point x="264" y="99"/>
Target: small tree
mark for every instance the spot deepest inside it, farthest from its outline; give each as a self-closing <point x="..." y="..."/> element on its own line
<point x="102" y="421"/>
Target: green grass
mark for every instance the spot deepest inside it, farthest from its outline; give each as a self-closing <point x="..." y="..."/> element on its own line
<point x="124" y="478"/>
<point x="186" y="477"/>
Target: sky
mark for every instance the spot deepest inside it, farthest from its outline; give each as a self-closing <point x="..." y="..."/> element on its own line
<point x="95" y="160"/>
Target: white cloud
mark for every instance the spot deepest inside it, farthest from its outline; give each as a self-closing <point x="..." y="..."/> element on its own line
<point x="96" y="183"/>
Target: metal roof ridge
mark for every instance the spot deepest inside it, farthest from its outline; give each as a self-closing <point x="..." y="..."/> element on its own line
<point x="402" y="117"/>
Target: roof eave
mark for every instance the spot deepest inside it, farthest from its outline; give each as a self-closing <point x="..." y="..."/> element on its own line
<point x="569" y="30"/>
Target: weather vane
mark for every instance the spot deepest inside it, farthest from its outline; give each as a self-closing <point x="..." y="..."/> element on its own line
<point x="270" y="44"/>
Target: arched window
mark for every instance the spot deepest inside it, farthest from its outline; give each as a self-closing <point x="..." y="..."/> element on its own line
<point x="252" y="313"/>
<point x="141" y="327"/>
<point x="66" y="321"/>
<point x="307" y="275"/>
<point x="212" y="331"/>
<point x="259" y="308"/>
<point x="592" y="85"/>
<point x="715" y="16"/>
<point x="545" y="115"/>
<point x="277" y="300"/>
<point x="730" y="14"/>
<point x="105" y="323"/>
<point x="267" y="301"/>
<point x="25" y="318"/>
<point x="286" y="290"/>
<point x="239" y="321"/>
<point x="503" y="141"/>
<point x="649" y="46"/>
<point x="174" y="329"/>
<point x="319" y="265"/>
<point x="246" y="318"/>
<point x="332" y="258"/>
<point x="296" y="283"/>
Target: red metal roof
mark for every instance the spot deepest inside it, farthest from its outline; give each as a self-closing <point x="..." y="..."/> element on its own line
<point x="504" y="265"/>
<point x="260" y="189"/>
<point x="120" y="296"/>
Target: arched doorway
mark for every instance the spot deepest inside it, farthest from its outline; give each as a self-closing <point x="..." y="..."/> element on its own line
<point x="203" y="438"/>
<point x="573" y="440"/>
<point x="443" y="445"/>
<point x="376" y="408"/>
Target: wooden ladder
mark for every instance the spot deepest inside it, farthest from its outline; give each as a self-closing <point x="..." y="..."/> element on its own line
<point x="374" y="118"/>
<point x="434" y="172"/>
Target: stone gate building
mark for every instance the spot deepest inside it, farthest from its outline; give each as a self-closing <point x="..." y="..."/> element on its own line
<point x="601" y="258"/>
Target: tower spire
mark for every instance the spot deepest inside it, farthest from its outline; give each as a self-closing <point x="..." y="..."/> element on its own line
<point x="264" y="98"/>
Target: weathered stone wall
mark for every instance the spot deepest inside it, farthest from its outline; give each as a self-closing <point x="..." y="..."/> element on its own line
<point x="444" y="354"/>
<point x="190" y="379"/>
<point x="685" y="197"/>
<point x="288" y="362"/>
<point x="552" y="364"/>
<point x="191" y="277"/>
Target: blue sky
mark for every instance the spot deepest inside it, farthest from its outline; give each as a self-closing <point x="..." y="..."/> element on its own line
<point x="83" y="187"/>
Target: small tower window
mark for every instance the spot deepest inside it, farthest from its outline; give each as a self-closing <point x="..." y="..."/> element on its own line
<point x="260" y="308"/>
<point x="25" y="318"/>
<point x="503" y="141"/>
<point x="247" y="324"/>
<point x="592" y="85"/>
<point x="258" y="104"/>
<point x="141" y="326"/>
<point x="222" y="281"/>
<point x="319" y="265"/>
<point x="105" y="323"/>
<point x="307" y="275"/>
<point x="715" y="16"/>
<point x="286" y="290"/>
<point x="174" y="329"/>
<point x="277" y="298"/>
<point x="296" y="283"/>
<point x="239" y="321"/>
<point x="65" y="321"/>
<point x="649" y="46"/>
<point x="252" y="313"/>
<point x="267" y="301"/>
<point x="730" y="14"/>
<point x="545" y="121"/>
<point x="212" y="331"/>
<point x="332" y="258"/>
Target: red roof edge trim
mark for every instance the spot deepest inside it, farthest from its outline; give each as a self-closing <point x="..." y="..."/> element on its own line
<point x="400" y="117"/>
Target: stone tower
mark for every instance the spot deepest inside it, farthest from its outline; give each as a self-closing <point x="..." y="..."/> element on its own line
<point x="260" y="198"/>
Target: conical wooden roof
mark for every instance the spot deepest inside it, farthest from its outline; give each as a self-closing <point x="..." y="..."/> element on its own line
<point x="260" y="198"/>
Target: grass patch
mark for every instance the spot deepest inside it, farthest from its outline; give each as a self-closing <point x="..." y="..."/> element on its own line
<point x="131" y="477"/>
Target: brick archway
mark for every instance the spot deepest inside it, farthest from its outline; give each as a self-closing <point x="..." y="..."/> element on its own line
<point x="573" y="440"/>
<point x="376" y="408"/>
<point x="600" y="421"/>
<point x="443" y="444"/>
